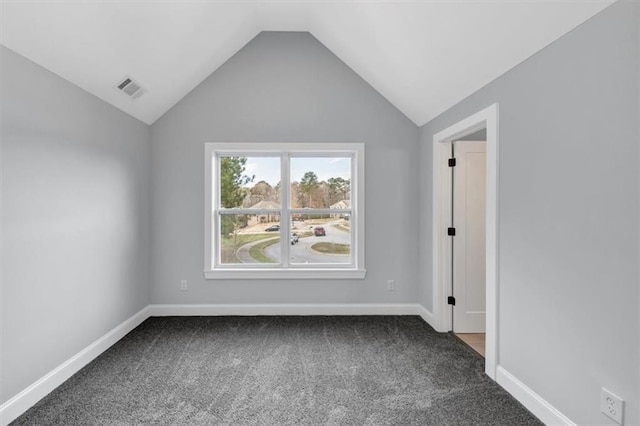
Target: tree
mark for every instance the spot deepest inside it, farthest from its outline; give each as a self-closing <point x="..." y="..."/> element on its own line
<point x="308" y="183"/>
<point x="276" y="193"/>
<point x="232" y="180"/>
<point x="338" y="189"/>
<point x="296" y="195"/>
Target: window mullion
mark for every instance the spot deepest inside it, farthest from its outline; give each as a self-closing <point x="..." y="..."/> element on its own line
<point x="285" y="217"/>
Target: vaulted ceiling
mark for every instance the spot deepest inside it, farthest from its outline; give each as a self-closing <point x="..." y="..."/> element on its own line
<point x="423" y="56"/>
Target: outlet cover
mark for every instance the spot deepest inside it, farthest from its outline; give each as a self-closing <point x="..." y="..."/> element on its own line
<point x="183" y="285"/>
<point x="612" y="405"/>
<point x="391" y="285"/>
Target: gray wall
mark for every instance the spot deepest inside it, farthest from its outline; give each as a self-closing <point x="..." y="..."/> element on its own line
<point x="479" y="135"/>
<point x="284" y="87"/>
<point x="568" y="214"/>
<point x="74" y="218"/>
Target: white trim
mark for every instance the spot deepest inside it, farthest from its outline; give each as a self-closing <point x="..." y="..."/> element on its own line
<point x="20" y="403"/>
<point x="209" y="253"/>
<point x="296" y="273"/>
<point x="542" y="409"/>
<point x="425" y="314"/>
<point x="441" y="243"/>
<point x="441" y="280"/>
<point x="286" y="309"/>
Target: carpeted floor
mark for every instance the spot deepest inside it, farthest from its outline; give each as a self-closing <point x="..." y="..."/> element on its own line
<point x="369" y="370"/>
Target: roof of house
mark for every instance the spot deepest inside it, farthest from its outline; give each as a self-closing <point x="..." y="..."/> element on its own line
<point x="263" y="205"/>
<point x="342" y="204"/>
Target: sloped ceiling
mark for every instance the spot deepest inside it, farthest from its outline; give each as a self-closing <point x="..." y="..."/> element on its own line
<point x="423" y="56"/>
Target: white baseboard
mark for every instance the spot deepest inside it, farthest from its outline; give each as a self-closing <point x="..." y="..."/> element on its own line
<point x="546" y="412"/>
<point x="20" y="403"/>
<point x="286" y="309"/>
<point x="425" y="315"/>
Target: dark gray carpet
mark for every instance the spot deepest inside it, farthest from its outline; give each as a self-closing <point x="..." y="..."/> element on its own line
<point x="369" y="370"/>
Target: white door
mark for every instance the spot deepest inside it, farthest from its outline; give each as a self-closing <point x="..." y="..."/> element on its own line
<point x="469" y="200"/>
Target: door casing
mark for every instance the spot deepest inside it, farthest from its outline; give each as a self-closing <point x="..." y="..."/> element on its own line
<point x="441" y="249"/>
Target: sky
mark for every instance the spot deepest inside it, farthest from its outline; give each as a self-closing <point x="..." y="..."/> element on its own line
<point x="268" y="168"/>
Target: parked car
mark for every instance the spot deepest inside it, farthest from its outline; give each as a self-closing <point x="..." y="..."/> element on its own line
<point x="273" y="228"/>
<point x="319" y="231"/>
<point x="294" y="238"/>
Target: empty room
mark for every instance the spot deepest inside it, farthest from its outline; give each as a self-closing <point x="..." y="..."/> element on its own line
<point x="297" y="212"/>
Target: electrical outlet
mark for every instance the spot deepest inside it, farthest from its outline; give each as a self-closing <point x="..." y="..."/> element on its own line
<point x="183" y="285"/>
<point x="612" y="405"/>
<point x="391" y="285"/>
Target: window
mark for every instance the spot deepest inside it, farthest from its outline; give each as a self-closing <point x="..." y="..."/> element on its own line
<point x="284" y="210"/>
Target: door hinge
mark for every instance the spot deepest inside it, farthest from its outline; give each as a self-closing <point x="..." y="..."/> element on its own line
<point x="452" y="162"/>
<point x="451" y="231"/>
<point x="451" y="300"/>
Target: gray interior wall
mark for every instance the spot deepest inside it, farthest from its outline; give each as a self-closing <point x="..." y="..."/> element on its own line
<point x="284" y="87"/>
<point x="568" y="215"/>
<point x="75" y="191"/>
<point x="478" y="135"/>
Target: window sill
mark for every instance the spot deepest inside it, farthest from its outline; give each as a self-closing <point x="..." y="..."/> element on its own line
<point x="279" y="274"/>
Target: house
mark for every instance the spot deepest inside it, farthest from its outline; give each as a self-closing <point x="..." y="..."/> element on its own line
<point x="342" y="204"/>
<point x="265" y="205"/>
<point x="103" y="209"/>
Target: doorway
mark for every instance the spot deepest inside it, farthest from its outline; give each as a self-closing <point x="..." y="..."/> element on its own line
<point x="443" y="242"/>
<point x="468" y="257"/>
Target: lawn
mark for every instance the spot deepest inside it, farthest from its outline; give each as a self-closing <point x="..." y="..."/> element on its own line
<point x="257" y="251"/>
<point x="232" y="243"/>
<point x="331" y="248"/>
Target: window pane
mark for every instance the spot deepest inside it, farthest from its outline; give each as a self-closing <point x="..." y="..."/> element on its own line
<point x="249" y="238"/>
<point x="322" y="240"/>
<point x="321" y="182"/>
<point x="250" y="182"/>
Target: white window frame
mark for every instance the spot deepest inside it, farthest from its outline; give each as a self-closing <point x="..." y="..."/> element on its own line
<point x="285" y="270"/>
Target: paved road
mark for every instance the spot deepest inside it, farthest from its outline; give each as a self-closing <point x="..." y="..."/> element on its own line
<point x="302" y="252"/>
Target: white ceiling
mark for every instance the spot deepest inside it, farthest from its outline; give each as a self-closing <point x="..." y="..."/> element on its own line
<point x="423" y="56"/>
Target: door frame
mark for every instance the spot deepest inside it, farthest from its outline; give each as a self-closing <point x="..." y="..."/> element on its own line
<point x="441" y="203"/>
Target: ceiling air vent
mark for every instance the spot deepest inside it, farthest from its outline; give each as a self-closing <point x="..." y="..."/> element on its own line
<point x="130" y="87"/>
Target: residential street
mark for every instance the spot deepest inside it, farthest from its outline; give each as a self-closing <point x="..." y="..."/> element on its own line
<point x="302" y="252"/>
